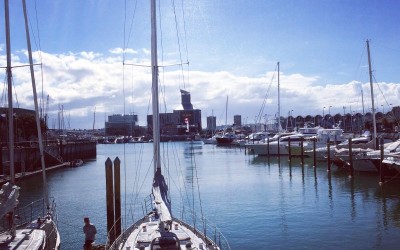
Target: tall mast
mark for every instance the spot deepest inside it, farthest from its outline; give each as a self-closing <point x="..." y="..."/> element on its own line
<point x="39" y="129"/>
<point x="279" y="102"/>
<point x="226" y="112"/>
<point x="154" y="72"/>
<point x="372" y="94"/>
<point x="10" y="101"/>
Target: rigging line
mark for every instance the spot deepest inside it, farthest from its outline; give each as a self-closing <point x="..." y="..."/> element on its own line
<point x="198" y="186"/>
<point x="127" y="39"/>
<point x="137" y="173"/>
<point x="124" y="36"/>
<point x="380" y="90"/>
<point x="15" y="91"/>
<point x="194" y="218"/>
<point x="135" y="195"/>
<point x="179" y="42"/>
<point x="4" y="95"/>
<point x="149" y="66"/>
<point x="359" y="62"/>
<point x="180" y="173"/>
<point x="22" y="66"/>
<point x="167" y="165"/>
<point x="38" y="44"/>
<point x="186" y="44"/>
<point x="162" y="80"/>
<point x="265" y="97"/>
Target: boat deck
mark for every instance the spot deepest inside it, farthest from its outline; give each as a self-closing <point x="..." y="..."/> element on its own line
<point x="149" y="232"/>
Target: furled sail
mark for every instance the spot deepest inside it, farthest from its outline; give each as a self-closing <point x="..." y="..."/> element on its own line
<point x="161" y="198"/>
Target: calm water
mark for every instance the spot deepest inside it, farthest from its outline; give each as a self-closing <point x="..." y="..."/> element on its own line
<point x="257" y="202"/>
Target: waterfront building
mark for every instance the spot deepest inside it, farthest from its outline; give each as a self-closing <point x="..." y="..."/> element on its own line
<point x="185" y="120"/>
<point x="119" y="124"/>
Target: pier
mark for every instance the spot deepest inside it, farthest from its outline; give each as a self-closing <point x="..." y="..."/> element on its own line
<point x="58" y="154"/>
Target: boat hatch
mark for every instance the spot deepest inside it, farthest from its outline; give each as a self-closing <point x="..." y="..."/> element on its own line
<point x="168" y="242"/>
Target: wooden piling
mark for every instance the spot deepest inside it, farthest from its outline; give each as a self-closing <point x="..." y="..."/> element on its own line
<point x="117" y="196"/>
<point x="315" y="152"/>
<point x="302" y="150"/>
<point x="279" y="148"/>
<point x="351" y="158"/>
<point x="328" y="148"/>
<point x="268" y="145"/>
<point x="110" y="200"/>
<point x="290" y="149"/>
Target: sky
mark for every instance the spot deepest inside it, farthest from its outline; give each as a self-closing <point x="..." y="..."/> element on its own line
<point x="232" y="48"/>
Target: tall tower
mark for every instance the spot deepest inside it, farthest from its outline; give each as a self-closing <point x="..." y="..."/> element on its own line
<point x="185" y="100"/>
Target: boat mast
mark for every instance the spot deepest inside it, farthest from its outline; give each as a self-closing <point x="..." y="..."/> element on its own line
<point x="226" y="112"/>
<point x="279" y="103"/>
<point x="155" y="105"/>
<point x="372" y="94"/>
<point x="39" y="129"/>
<point x="10" y="102"/>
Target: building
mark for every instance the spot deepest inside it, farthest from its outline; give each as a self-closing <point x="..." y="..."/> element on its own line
<point x="118" y="124"/>
<point x="186" y="120"/>
<point x="237" y="120"/>
<point x="211" y="123"/>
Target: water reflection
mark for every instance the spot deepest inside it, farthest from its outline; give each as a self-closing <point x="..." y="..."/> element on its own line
<point x="279" y="202"/>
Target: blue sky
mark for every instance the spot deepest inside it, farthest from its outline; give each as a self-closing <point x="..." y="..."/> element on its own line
<point x="232" y="47"/>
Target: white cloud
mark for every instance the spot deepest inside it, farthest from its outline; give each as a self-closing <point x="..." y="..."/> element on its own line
<point x="82" y="81"/>
<point x="120" y="51"/>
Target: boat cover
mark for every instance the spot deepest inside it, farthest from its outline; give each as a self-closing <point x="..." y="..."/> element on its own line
<point x="8" y="198"/>
<point x="161" y="198"/>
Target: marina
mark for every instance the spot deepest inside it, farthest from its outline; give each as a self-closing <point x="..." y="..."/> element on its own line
<point x="149" y="175"/>
<point x="280" y="205"/>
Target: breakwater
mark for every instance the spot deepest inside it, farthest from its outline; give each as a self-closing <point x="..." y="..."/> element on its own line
<point x="27" y="156"/>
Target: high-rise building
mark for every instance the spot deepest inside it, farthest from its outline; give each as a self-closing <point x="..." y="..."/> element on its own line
<point x="237" y="120"/>
<point x="211" y="123"/>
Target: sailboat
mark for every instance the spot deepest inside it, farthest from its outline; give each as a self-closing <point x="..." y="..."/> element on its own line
<point x="363" y="158"/>
<point x="38" y="230"/>
<point x="262" y="148"/>
<point x="228" y="136"/>
<point x="159" y="229"/>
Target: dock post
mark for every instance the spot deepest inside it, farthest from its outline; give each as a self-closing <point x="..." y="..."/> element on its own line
<point x="351" y="158"/>
<point x="290" y="149"/>
<point x="302" y="150"/>
<point x="1" y="156"/>
<point x="110" y="200"/>
<point x="328" y="148"/>
<point x="279" y="149"/>
<point x="61" y="150"/>
<point x="117" y="196"/>
<point x="268" y="145"/>
<point x="381" y="165"/>
<point x="315" y="152"/>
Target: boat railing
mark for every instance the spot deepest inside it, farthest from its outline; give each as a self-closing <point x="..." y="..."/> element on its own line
<point x="202" y="227"/>
<point x="122" y="237"/>
<point x="147" y="207"/>
<point x="27" y="214"/>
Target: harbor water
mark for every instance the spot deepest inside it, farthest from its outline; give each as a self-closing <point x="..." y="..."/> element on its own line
<point x="257" y="202"/>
